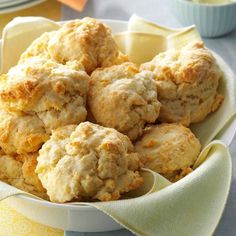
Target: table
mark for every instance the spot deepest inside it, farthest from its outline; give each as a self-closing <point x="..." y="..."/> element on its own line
<point x="158" y="11"/>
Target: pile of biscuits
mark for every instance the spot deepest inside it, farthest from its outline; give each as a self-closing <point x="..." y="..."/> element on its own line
<point x="78" y="120"/>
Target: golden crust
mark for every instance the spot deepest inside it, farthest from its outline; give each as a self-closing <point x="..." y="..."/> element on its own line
<point x="21" y="134"/>
<point x="20" y="173"/>
<point x="92" y="42"/>
<point x="187" y="82"/>
<point x="182" y="174"/>
<point x="87" y="40"/>
<point x="48" y="89"/>
<point x="88" y="162"/>
<point x="37" y="48"/>
<point x="55" y="93"/>
<point x="122" y="98"/>
<point x="168" y="149"/>
<point x="28" y="170"/>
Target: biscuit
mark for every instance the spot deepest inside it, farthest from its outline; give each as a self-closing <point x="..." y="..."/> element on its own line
<point x="187" y="82"/>
<point x="29" y="163"/>
<point x="168" y="149"/>
<point x="123" y="98"/>
<point x="20" y="173"/>
<point x="54" y="93"/>
<point x="87" y="40"/>
<point x="21" y="134"/>
<point x="88" y="162"/>
<point x="39" y="47"/>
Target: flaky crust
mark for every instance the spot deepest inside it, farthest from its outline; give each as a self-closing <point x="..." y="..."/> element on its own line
<point x="87" y="40"/>
<point x="28" y="170"/>
<point x="20" y="173"/>
<point x="55" y="93"/>
<point x="21" y="134"/>
<point x="122" y="98"/>
<point x="39" y="47"/>
<point x="168" y="149"/>
<point x="88" y="162"/>
<point x="187" y="82"/>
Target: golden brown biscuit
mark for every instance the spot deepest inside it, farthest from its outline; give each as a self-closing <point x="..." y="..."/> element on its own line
<point x="10" y="169"/>
<point x="88" y="162"/>
<point x="187" y="82"/>
<point x="28" y="171"/>
<point x="21" y="134"/>
<point x="123" y="98"/>
<point x="20" y="173"/>
<point x="87" y="40"/>
<point x="39" y="47"/>
<point x="168" y="149"/>
<point x="54" y="93"/>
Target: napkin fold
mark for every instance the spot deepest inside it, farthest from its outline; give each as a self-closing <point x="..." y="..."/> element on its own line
<point x="191" y="206"/>
<point x="152" y="39"/>
<point x="21" y="31"/>
<point x="47" y="8"/>
<point x="195" y="202"/>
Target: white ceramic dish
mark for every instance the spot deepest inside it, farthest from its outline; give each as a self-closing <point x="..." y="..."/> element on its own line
<point x="84" y="218"/>
<point x="11" y="6"/>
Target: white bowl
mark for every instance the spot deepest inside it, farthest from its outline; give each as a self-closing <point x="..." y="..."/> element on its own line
<point x="83" y="218"/>
<point x="212" y="20"/>
<point x="64" y="216"/>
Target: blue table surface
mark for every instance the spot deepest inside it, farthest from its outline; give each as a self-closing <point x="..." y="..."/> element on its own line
<point x="158" y="11"/>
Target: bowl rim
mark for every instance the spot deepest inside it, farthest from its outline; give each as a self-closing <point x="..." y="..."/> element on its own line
<point x="71" y="206"/>
<point x="46" y="203"/>
<point x="207" y="5"/>
<point x="104" y="20"/>
<point x="67" y="206"/>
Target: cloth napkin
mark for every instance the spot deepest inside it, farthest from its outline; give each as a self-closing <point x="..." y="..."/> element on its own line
<point x="193" y="205"/>
<point x="41" y="9"/>
<point x="12" y="223"/>
<point x="152" y="39"/>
